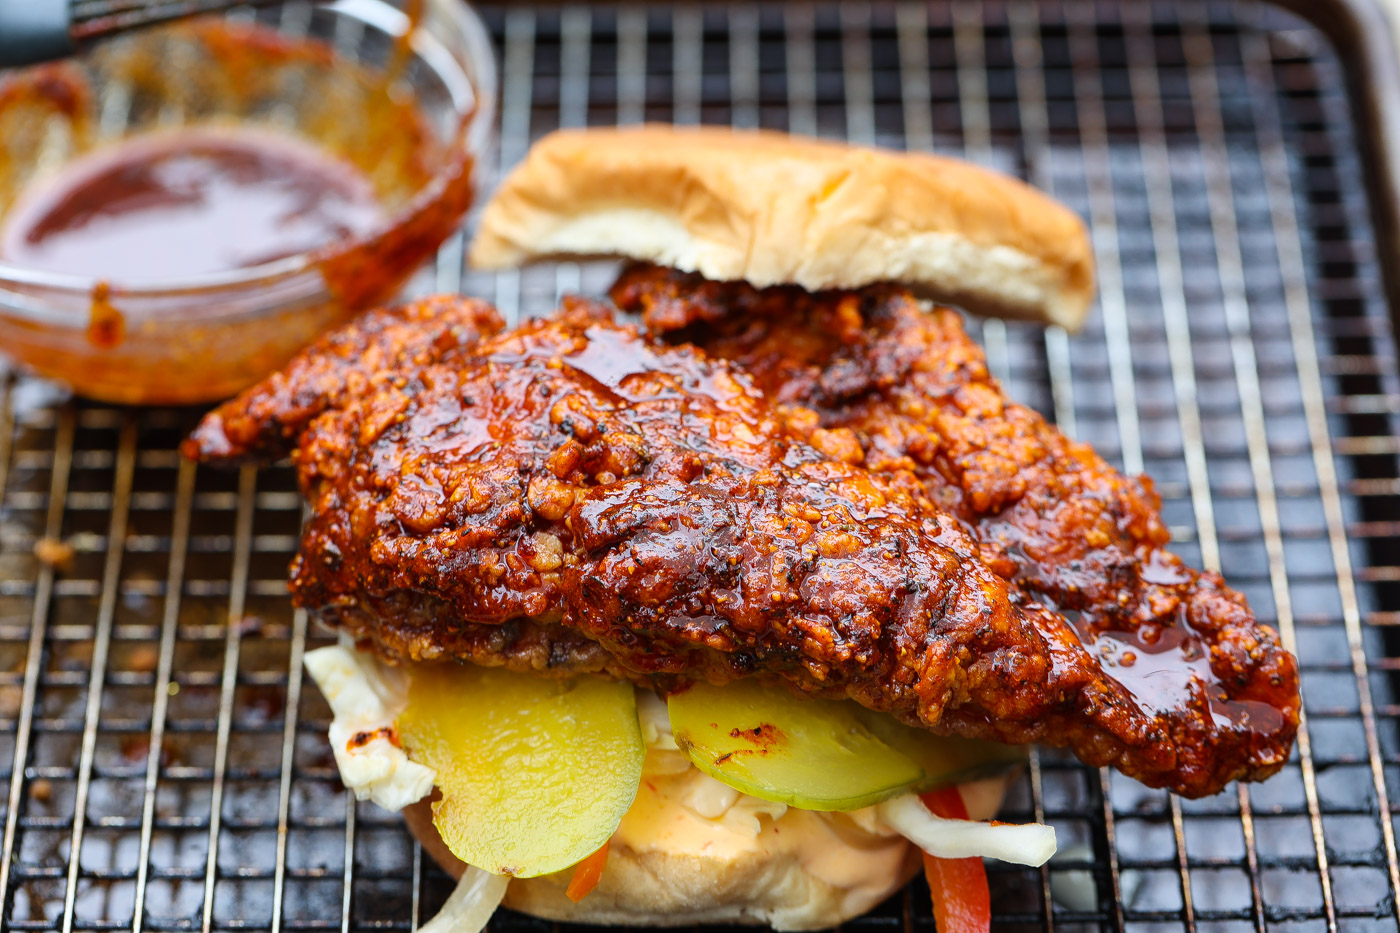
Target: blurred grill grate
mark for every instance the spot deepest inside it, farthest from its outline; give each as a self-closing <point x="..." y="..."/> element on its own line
<point x="1242" y="355"/>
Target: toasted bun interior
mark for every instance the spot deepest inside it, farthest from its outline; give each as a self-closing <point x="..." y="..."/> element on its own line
<point x="660" y="881"/>
<point x="774" y="209"/>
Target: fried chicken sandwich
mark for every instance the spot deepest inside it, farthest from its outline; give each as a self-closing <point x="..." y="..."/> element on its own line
<point x="736" y="598"/>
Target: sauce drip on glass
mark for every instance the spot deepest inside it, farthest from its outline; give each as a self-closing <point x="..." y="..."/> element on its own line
<point x="187" y="203"/>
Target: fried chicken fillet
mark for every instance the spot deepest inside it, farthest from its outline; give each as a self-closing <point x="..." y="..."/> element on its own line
<point x="874" y="378"/>
<point x="574" y="496"/>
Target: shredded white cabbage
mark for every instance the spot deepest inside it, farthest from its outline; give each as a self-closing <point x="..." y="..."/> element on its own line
<point x="366" y="697"/>
<point x="1028" y="844"/>
<point x="471" y="903"/>
<point x="655" y="721"/>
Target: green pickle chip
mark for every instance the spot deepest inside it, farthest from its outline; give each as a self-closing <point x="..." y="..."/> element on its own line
<point x="818" y="754"/>
<point x="535" y="773"/>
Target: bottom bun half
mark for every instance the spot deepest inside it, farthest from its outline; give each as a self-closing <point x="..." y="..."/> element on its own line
<point x="663" y="881"/>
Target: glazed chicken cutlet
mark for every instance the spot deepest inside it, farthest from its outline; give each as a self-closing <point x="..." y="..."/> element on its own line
<point x="757" y="553"/>
<point x="574" y="497"/>
<point x="876" y="378"/>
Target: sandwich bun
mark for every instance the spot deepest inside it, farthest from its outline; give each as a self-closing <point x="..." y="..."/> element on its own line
<point x="660" y="882"/>
<point x="774" y="209"/>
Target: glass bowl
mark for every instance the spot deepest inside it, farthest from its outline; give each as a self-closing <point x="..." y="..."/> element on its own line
<point x="408" y="98"/>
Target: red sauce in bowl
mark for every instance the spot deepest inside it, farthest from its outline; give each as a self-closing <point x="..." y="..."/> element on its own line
<point x="151" y="324"/>
<point x="189" y="202"/>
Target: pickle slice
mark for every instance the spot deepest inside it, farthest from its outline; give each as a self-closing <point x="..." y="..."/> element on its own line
<point x="817" y="754"/>
<point x="535" y="773"/>
<point x="811" y="753"/>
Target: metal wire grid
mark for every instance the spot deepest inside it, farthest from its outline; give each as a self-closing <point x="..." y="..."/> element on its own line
<point x="1242" y="354"/>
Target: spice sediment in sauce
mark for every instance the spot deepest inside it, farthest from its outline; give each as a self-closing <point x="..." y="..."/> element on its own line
<point x="172" y="205"/>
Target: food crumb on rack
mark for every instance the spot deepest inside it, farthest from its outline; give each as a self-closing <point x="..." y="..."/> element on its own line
<point x="143" y="658"/>
<point x="54" y="554"/>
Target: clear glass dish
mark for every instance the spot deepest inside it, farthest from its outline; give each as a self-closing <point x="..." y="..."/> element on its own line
<point x="413" y="110"/>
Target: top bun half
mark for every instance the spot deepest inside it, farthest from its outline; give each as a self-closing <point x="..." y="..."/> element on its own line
<point x="773" y="209"/>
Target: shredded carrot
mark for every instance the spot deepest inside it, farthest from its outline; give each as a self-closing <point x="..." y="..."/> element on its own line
<point x="962" y="902"/>
<point x="586" y="875"/>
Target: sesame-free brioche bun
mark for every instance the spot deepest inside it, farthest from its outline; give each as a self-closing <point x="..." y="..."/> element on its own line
<point x="762" y="885"/>
<point x="772" y="209"/>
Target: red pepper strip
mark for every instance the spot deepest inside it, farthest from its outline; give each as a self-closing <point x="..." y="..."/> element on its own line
<point x="586" y="875"/>
<point x="961" y="901"/>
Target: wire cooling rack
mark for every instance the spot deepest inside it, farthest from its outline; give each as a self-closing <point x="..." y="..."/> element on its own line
<point x="164" y="758"/>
